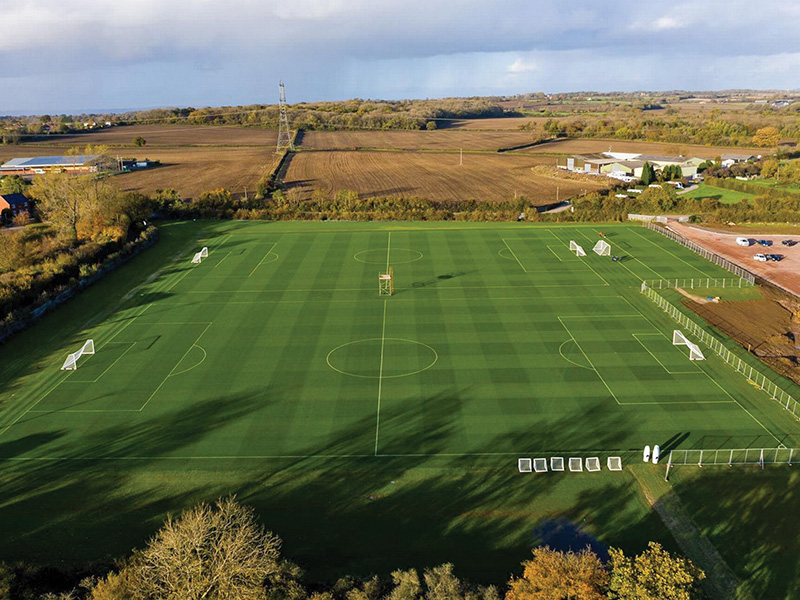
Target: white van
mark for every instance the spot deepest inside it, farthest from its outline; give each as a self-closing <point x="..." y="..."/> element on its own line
<point x="743" y="241"/>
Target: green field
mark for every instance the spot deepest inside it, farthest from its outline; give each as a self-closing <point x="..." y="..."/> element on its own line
<point x="370" y="432"/>
<point x="724" y="195"/>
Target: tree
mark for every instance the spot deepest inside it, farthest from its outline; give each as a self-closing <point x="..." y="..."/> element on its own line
<point x="555" y="575"/>
<point x="139" y="141"/>
<point x="652" y="575"/>
<point x="648" y="173"/>
<point x="73" y="205"/>
<point x="13" y="184"/>
<point x="209" y="552"/>
<point x="766" y="137"/>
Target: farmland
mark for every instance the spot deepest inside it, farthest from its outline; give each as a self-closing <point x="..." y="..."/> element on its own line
<point x="193" y="159"/>
<point x="165" y="135"/>
<point x="436" y="176"/>
<point x="440" y="139"/>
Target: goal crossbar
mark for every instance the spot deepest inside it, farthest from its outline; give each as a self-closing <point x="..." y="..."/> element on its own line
<point x="72" y="359"/>
<point x="679" y="339"/>
<point x="576" y="248"/>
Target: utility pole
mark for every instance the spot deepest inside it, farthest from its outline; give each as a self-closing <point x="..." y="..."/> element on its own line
<point x="285" y="142"/>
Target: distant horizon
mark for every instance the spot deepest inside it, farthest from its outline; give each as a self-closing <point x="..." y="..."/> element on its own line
<point x="102" y="111"/>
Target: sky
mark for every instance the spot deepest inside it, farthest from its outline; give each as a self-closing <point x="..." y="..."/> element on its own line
<point x="61" y="56"/>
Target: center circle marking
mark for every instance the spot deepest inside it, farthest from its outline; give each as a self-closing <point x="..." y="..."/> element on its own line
<point x="378" y="256"/>
<point x="349" y="359"/>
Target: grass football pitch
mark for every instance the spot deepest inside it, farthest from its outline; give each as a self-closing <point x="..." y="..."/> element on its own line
<point x="275" y="370"/>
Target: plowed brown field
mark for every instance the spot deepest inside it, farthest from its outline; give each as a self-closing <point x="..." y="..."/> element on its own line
<point x="192" y="171"/>
<point x="167" y="135"/>
<point x="415" y="140"/>
<point x="435" y="176"/>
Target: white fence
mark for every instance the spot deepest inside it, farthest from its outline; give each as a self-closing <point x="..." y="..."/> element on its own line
<point x="747" y="370"/>
<point x="701" y="282"/>
<point x="741" y="456"/>
<point x="707" y="254"/>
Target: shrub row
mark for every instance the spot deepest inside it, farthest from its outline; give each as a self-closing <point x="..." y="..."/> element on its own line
<point x="30" y="291"/>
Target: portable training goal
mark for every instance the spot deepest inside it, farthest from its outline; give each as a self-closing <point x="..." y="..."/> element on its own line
<point x="593" y="464"/>
<point x="72" y="359"/>
<point x="556" y="463"/>
<point x="614" y="463"/>
<point x="575" y="465"/>
<point x="602" y="248"/>
<point x="576" y="248"/>
<point x="204" y="252"/>
<point x="197" y="259"/>
<point x="386" y="283"/>
<point x="678" y="339"/>
<point x="540" y="465"/>
<point x="524" y="465"/>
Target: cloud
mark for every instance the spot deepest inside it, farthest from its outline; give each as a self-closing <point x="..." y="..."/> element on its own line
<point x="521" y="66"/>
<point x="666" y="23"/>
<point x="201" y="52"/>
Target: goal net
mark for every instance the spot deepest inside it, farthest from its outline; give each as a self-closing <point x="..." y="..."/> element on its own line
<point x="204" y="252"/>
<point x="602" y="248"/>
<point x="576" y="248"/>
<point x="197" y="258"/>
<point x="72" y="359"/>
<point x="678" y="339"/>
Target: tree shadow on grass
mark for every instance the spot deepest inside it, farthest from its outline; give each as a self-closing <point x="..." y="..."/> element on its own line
<point x="71" y="498"/>
<point x="752" y="521"/>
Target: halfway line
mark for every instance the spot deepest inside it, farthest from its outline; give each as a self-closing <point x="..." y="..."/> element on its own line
<point x="380" y="379"/>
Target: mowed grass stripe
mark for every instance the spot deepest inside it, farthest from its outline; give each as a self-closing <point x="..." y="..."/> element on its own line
<point x="504" y="375"/>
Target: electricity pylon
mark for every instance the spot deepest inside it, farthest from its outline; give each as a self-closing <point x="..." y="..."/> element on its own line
<point x="285" y="141"/>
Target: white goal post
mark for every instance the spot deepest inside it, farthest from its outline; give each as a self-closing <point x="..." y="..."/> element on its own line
<point x="678" y="339"/>
<point x="198" y="258"/>
<point x="72" y="359"/>
<point x="602" y="248"/>
<point x="204" y="252"/>
<point x="576" y="248"/>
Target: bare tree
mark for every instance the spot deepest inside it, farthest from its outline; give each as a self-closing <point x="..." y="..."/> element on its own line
<point x="209" y="552"/>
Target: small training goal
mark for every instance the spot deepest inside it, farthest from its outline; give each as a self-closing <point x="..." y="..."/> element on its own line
<point x="602" y="248"/>
<point x="72" y="360"/>
<point x="576" y="248"/>
<point x="198" y="257"/>
<point x="678" y="339"/>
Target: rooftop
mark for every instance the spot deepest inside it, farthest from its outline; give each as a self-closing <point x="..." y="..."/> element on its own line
<point x="49" y="161"/>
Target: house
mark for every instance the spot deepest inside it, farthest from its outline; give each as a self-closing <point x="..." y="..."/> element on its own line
<point x="29" y="167"/>
<point x="14" y="203"/>
<point x="616" y="164"/>
<point x="729" y="160"/>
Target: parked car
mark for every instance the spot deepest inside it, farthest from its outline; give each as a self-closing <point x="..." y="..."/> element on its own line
<point x="764" y="242"/>
<point x="760" y="257"/>
<point x="788" y="242"/>
<point x="775" y="257"/>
